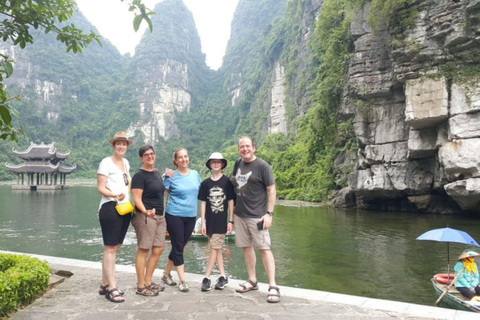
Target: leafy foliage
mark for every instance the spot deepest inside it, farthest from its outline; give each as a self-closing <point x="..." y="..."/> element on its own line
<point x="304" y="164"/>
<point x="84" y="99"/>
<point x="394" y="13"/>
<point x="47" y="16"/>
<point x="246" y="63"/>
<point x="22" y="279"/>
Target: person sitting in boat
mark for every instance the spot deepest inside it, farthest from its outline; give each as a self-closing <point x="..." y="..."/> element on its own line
<point x="467" y="282"/>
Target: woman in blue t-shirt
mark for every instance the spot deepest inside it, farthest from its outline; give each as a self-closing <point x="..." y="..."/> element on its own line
<point x="180" y="214"/>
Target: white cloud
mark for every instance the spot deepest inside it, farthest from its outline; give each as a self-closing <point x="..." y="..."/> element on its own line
<point x="115" y="22"/>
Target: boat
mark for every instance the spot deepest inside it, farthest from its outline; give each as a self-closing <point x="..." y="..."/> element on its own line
<point x="453" y="298"/>
<point x="201" y="237"/>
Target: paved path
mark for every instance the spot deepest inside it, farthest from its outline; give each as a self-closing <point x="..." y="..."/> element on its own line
<point x="77" y="298"/>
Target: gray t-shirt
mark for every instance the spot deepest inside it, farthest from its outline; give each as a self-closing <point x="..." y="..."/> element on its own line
<point x="250" y="183"/>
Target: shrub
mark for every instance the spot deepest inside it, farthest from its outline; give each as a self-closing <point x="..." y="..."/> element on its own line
<point x="22" y="279"/>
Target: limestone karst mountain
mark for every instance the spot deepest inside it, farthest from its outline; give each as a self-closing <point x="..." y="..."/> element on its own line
<point x="371" y="103"/>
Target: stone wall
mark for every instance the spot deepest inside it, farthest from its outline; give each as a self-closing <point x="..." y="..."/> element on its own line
<point x="418" y="129"/>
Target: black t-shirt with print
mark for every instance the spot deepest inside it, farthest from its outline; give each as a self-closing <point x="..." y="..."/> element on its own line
<point x="216" y="194"/>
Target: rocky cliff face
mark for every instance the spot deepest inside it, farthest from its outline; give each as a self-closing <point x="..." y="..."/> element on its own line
<point x="168" y="67"/>
<point x="276" y="103"/>
<point x="418" y="127"/>
<point x="26" y="78"/>
<point x="251" y="21"/>
<point x="166" y="91"/>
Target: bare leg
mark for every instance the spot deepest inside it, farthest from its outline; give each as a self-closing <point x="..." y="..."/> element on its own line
<point x="168" y="268"/>
<point x="140" y="260"/>
<point x="220" y="261"/>
<point x="250" y="263"/>
<point x="181" y="272"/>
<point x="268" y="262"/>
<point x="211" y="260"/>
<point x="152" y="264"/>
<point x="108" y="265"/>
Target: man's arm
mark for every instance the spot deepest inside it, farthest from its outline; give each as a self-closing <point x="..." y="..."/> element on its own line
<point x="272" y="195"/>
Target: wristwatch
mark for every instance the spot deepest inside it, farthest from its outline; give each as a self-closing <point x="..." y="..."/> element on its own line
<point x="270" y="213"/>
<point x="231" y="221"/>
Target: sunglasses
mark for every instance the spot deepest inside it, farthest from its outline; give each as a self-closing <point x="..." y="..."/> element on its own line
<point x="125" y="179"/>
<point x="150" y="154"/>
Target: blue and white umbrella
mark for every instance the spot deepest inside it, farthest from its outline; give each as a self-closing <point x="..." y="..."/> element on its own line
<point x="448" y="235"/>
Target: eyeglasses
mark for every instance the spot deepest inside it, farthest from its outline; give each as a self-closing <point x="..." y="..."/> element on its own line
<point x="150" y="154"/>
<point x="125" y="179"/>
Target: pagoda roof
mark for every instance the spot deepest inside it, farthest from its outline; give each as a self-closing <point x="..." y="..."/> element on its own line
<point x="65" y="169"/>
<point x="41" y="152"/>
<point x="32" y="167"/>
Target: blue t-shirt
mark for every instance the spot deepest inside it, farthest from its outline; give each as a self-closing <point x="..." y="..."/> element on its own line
<point x="183" y="194"/>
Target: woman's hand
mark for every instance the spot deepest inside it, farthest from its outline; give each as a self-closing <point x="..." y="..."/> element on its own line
<point x="168" y="173"/>
<point x="150" y="213"/>
<point x="204" y="229"/>
<point x="120" y="196"/>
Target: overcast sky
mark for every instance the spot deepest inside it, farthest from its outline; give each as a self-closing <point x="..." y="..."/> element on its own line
<point x="114" y="22"/>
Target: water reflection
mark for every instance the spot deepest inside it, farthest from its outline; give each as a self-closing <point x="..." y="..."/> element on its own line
<point x="371" y="254"/>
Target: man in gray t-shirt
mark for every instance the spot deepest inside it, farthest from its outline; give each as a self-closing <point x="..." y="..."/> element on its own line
<point x="255" y="189"/>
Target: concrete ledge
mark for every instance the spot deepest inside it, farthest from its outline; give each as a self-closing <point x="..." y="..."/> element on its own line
<point x="400" y="308"/>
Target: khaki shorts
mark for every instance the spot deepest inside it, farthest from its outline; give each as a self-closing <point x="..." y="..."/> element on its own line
<point x="248" y="235"/>
<point x="150" y="231"/>
<point x="216" y="241"/>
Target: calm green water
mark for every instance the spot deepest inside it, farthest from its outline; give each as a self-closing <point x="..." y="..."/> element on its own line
<point x="371" y="254"/>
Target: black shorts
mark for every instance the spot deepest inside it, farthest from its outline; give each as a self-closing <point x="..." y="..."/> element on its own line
<point x="114" y="226"/>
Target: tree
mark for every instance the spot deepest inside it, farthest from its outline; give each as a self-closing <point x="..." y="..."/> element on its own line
<point x="21" y="16"/>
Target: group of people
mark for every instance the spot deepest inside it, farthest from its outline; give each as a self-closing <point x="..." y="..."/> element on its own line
<point x="246" y="201"/>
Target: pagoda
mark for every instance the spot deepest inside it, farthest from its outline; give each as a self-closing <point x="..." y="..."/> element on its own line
<point x="42" y="168"/>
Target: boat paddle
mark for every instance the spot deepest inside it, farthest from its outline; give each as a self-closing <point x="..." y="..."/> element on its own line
<point x="449" y="286"/>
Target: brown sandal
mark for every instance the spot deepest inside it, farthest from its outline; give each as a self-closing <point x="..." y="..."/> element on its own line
<point x="114" y="296"/>
<point x="145" y="291"/>
<point x="104" y="290"/>
<point x="254" y="286"/>
<point x="154" y="286"/>
<point x="273" y="297"/>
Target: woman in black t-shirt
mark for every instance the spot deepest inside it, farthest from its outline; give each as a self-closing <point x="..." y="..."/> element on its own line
<point x="148" y="221"/>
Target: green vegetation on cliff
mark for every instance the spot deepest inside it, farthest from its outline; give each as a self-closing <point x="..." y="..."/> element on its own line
<point x="303" y="162"/>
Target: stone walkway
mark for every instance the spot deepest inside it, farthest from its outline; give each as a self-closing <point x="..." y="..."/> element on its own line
<point x="77" y="298"/>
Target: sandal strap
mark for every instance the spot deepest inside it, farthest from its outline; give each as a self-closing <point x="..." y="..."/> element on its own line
<point x="274" y="288"/>
<point x="155" y="286"/>
<point x="254" y="284"/>
<point x="273" y="294"/>
<point x="146" y="291"/>
<point x="114" y="293"/>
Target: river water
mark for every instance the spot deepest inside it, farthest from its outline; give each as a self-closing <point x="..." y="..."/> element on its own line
<point x="372" y="254"/>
